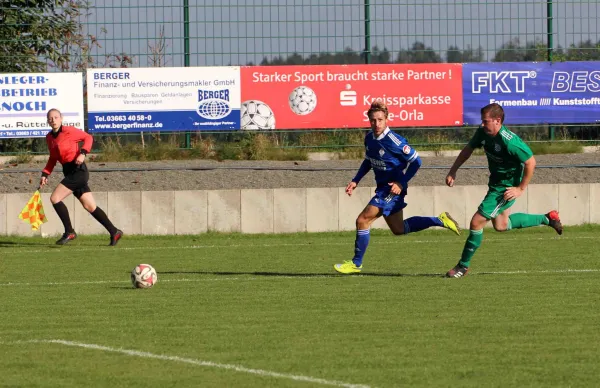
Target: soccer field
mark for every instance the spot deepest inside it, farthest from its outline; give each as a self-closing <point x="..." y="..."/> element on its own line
<point x="269" y="310"/>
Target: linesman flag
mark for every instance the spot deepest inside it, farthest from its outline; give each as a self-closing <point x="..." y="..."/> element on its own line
<point x="33" y="212"/>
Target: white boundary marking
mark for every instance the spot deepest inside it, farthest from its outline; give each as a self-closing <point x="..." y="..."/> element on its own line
<point x="236" y="368"/>
<point x="308" y="276"/>
<point x="537" y="272"/>
<point x="319" y="243"/>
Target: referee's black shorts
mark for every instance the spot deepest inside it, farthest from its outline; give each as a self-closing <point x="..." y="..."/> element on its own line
<point x="76" y="178"/>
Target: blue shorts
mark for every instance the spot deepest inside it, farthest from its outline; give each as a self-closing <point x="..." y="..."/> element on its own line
<point x="388" y="203"/>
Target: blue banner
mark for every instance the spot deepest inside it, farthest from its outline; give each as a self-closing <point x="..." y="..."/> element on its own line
<point x="164" y="99"/>
<point x="533" y="93"/>
<point x="176" y="120"/>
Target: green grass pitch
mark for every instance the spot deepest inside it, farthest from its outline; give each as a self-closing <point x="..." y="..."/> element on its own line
<point x="268" y="310"/>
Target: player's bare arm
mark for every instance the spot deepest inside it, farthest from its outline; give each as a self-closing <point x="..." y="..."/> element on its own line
<point x="464" y="155"/>
<point x="365" y="166"/>
<point x="350" y="188"/>
<point x="515" y="192"/>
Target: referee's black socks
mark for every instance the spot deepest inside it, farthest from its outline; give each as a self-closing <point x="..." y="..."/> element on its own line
<point x="102" y="218"/>
<point x="63" y="214"/>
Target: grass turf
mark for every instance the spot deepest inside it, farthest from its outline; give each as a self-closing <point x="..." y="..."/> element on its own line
<point x="527" y="314"/>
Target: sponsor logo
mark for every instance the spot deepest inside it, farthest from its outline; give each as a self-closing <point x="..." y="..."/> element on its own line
<point x="348" y="97"/>
<point x="500" y="81"/>
<point x="213" y="104"/>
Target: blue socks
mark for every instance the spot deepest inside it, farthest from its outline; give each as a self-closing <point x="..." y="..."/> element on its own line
<point x="411" y="225"/>
<point x="416" y="224"/>
<point x="360" y="246"/>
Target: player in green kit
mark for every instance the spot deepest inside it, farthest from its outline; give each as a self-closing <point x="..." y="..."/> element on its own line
<point x="511" y="164"/>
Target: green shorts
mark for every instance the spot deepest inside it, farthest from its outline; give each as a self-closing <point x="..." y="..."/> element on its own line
<point x="494" y="203"/>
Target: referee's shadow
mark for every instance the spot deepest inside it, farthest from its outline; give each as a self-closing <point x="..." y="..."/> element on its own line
<point x="302" y="275"/>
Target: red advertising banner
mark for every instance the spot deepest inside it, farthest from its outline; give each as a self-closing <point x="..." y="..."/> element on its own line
<point x="338" y="96"/>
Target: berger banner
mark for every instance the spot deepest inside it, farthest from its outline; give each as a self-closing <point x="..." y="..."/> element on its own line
<point x="534" y="93"/>
<point x="26" y="98"/>
<point x="163" y="99"/>
<point x="338" y="96"/>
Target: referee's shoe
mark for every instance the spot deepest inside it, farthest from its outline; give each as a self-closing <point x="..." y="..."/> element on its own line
<point x="66" y="238"/>
<point x="114" y="238"/>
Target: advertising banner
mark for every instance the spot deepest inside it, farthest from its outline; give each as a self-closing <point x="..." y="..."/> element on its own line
<point x="25" y="99"/>
<point x="338" y="96"/>
<point x="163" y="99"/>
<point x="534" y="93"/>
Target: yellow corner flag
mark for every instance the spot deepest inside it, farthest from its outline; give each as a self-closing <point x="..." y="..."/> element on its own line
<point x="33" y="212"/>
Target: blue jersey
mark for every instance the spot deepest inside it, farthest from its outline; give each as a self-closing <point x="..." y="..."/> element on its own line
<point x="389" y="155"/>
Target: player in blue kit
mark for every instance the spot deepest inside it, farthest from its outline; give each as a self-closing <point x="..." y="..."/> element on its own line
<point x="394" y="163"/>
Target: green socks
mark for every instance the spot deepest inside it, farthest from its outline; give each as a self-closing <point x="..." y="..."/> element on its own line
<point x="515" y="221"/>
<point x="473" y="242"/>
<point x="522" y="220"/>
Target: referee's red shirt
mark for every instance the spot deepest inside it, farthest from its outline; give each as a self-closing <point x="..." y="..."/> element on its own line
<point x="64" y="148"/>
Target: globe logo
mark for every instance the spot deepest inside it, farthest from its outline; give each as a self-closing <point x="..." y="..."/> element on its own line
<point x="213" y="109"/>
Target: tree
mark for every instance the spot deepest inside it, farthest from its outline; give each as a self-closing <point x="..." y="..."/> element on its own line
<point x="78" y="47"/>
<point x="33" y="32"/>
<point x="380" y="56"/>
<point x="468" y="55"/>
<point x="584" y="51"/>
<point x="37" y="34"/>
<point x="418" y="53"/>
<point x="158" y="50"/>
<point x="513" y="51"/>
<point x="294" y="59"/>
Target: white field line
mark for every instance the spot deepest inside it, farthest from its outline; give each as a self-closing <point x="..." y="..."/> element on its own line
<point x="75" y="248"/>
<point x="551" y="271"/>
<point x="252" y="278"/>
<point x="210" y="364"/>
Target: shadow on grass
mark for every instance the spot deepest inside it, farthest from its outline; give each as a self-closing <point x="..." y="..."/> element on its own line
<point x="7" y="244"/>
<point x="301" y="275"/>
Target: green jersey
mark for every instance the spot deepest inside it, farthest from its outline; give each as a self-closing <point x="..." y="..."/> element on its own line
<point x="506" y="153"/>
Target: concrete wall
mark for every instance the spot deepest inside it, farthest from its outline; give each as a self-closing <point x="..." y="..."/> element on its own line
<point x="284" y="210"/>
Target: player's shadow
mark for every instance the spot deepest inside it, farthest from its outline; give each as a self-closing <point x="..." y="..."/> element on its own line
<point x="300" y="275"/>
<point x="7" y="244"/>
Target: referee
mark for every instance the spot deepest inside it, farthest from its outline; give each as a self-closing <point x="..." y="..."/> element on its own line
<point x="63" y="145"/>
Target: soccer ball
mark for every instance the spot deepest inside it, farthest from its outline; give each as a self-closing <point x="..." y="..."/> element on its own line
<point x="303" y="100"/>
<point x="256" y="115"/>
<point x="143" y="276"/>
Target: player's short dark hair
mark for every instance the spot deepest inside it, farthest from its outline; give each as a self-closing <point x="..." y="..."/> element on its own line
<point x="53" y="110"/>
<point x="494" y="110"/>
<point x="378" y="106"/>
